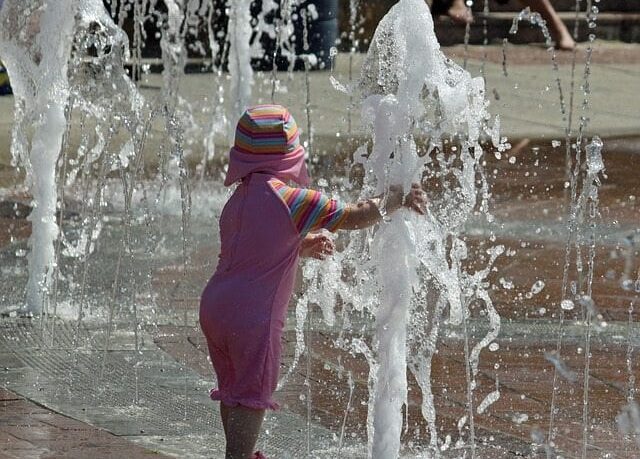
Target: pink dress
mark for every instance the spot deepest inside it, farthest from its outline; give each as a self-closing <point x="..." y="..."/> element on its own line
<point x="243" y="307"/>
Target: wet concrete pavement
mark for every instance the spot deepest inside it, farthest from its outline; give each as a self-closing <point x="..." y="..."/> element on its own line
<point x="522" y="90"/>
<point x="529" y="205"/>
<point x="530" y="211"/>
<point x="28" y="430"/>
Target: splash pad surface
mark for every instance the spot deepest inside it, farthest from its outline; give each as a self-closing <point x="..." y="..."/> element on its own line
<point x="163" y="354"/>
<point x="172" y="355"/>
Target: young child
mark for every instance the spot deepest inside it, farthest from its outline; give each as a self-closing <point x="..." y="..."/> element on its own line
<point x="264" y="227"/>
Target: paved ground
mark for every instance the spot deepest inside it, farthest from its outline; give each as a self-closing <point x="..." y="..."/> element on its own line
<point x="523" y="92"/>
<point x="531" y="224"/>
<point x="528" y="204"/>
<point x="28" y="430"/>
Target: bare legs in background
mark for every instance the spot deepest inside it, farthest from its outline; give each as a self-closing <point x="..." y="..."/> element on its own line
<point x="558" y="30"/>
<point x="460" y="13"/>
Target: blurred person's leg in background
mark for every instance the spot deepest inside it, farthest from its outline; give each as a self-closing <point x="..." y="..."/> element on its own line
<point x="557" y="29"/>
<point x="460" y="13"/>
<point x="455" y="9"/>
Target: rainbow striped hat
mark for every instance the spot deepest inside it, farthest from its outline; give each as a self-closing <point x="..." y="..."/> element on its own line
<point x="267" y="130"/>
<point x="267" y="141"/>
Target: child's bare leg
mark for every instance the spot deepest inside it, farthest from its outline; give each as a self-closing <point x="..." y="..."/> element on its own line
<point x="241" y="428"/>
<point x="560" y="33"/>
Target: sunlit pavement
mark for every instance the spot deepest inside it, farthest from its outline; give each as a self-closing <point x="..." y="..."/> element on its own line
<point x="522" y="89"/>
<point x="29" y="430"/>
<point x="532" y="224"/>
<point x="530" y="209"/>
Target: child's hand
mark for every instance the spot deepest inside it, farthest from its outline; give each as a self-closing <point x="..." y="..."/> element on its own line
<point x="368" y="212"/>
<point x="317" y="245"/>
<point x="416" y="199"/>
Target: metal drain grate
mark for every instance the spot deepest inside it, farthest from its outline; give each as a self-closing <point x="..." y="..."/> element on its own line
<point x="144" y="395"/>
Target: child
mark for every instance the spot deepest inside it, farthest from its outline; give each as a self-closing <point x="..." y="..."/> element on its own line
<point x="264" y="227"/>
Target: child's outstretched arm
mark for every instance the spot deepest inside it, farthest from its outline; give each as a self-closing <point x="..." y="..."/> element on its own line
<point x="366" y="213"/>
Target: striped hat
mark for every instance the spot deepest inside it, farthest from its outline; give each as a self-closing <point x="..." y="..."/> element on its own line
<point x="267" y="130"/>
<point x="267" y="141"/>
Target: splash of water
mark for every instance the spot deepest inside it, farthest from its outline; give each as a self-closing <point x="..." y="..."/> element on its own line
<point x="631" y="379"/>
<point x="536" y="19"/>
<point x="629" y="421"/>
<point x="410" y="90"/>
<point x="284" y="31"/>
<point x="561" y="367"/>
<point x="490" y="399"/>
<point x="577" y="177"/>
<point x="62" y="58"/>
<point x="351" y="385"/>
<point x="589" y="202"/>
<point x="173" y="52"/>
<point x="354" y="6"/>
<point x="539" y="439"/>
<point x="36" y="46"/>
<point x="240" y="57"/>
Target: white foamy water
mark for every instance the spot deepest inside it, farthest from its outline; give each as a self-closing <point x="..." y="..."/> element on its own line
<point x="240" y="58"/>
<point x="410" y="89"/>
<point x="489" y="400"/>
<point x="36" y="48"/>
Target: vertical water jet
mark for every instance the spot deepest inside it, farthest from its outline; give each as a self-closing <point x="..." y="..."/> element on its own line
<point x="411" y="92"/>
<point x="36" y="39"/>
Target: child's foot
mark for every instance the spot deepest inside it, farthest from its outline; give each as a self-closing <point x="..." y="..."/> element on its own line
<point x="565" y="43"/>
<point x="259" y="455"/>
<point x="460" y="13"/>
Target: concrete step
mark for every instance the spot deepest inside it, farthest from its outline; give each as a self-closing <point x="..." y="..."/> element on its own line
<point x="610" y="26"/>
<point x="617" y="20"/>
<point x="562" y="5"/>
<point x="379" y="7"/>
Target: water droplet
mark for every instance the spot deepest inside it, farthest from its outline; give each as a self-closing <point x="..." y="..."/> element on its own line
<point x="506" y="284"/>
<point x="519" y="418"/>
<point x="567" y="305"/>
<point x="627" y="284"/>
<point x="537" y="287"/>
